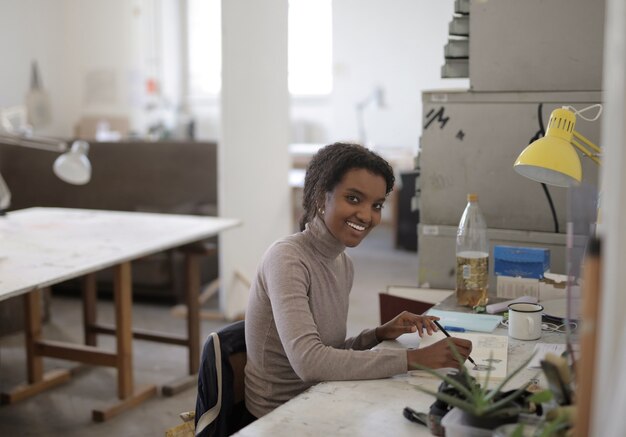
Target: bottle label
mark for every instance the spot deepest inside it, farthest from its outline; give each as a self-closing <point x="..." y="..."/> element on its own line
<point x="467" y="271"/>
<point x="472" y="279"/>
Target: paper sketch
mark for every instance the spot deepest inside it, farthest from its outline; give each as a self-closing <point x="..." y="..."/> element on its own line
<point x="488" y="350"/>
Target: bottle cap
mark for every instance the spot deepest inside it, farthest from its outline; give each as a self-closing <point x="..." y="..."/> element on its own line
<point x="472" y="197"/>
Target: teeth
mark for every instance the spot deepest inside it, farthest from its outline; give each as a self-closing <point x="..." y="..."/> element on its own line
<point x="355" y="226"/>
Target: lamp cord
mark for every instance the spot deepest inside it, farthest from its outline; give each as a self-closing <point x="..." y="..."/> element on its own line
<point x="539" y="134"/>
<point x="556" y="222"/>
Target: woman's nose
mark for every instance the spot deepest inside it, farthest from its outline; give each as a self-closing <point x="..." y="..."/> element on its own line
<point x="364" y="214"/>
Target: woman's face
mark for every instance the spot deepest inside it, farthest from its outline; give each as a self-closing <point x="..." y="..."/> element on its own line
<point x="354" y="207"/>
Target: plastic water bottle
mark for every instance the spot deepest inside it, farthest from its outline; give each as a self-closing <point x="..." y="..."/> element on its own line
<point x="472" y="256"/>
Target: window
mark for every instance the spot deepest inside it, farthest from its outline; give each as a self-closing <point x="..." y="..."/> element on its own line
<point x="204" y="38"/>
<point x="309" y="47"/>
<point x="310" y="44"/>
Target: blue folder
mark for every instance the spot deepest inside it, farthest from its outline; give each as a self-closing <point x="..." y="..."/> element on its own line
<point x="467" y="321"/>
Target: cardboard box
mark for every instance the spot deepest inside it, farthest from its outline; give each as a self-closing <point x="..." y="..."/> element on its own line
<point x="554" y="286"/>
<point x="510" y="287"/>
<point x="547" y="288"/>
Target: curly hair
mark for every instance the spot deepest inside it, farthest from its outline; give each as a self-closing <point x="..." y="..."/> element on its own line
<point x="328" y="167"/>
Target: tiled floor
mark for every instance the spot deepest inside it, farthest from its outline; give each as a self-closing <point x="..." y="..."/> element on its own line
<point x="66" y="410"/>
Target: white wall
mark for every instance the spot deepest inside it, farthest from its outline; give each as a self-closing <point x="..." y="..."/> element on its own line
<point x="93" y="56"/>
<point x="397" y="44"/>
<point x="32" y="30"/>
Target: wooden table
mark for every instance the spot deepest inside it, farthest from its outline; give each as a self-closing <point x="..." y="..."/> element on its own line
<point x="40" y="247"/>
<point x="374" y="407"/>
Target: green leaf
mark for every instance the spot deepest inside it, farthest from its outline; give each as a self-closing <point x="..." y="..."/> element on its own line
<point x="509" y="377"/>
<point x="541" y="397"/>
<point x="453" y="382"/>
<point x="518" y="431"/>
<point x="508" y="399"/>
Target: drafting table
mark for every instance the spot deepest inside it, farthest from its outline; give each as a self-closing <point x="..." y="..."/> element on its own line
<point x="40" y="247"/>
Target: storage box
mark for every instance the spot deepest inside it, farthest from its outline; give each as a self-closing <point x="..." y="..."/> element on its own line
<point x="510" y="287"/>
<point x="525" y="262"/>
<point x="547" y="288"/>
<point x="506" y="55"/>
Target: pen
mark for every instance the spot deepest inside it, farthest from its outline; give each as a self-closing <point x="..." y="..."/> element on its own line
<point x="454" y="328"/>
<point x="448" y="335"/>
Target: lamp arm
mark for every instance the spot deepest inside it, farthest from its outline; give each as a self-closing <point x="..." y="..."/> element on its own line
<point x="585" y="151"/>
<point x="33" y="142"/>
<point x="587" y="142"/>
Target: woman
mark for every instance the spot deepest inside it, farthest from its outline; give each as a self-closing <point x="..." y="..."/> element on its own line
<point x="298" y="306"/>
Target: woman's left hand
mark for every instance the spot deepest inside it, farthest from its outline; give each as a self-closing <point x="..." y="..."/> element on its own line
<point x="406" y="322"/>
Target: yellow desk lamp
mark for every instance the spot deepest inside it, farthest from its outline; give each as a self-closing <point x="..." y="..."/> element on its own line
<point x="552" y="159"/>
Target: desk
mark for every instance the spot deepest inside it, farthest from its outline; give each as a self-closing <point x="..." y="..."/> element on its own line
<point x="372" y="408"/>
<point x="40" y="247"/>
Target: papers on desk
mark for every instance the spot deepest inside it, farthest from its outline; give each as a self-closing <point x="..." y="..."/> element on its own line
<point x="487" y="350"/>
<point x="541" y="349"/>
<point x="467" y="321"/>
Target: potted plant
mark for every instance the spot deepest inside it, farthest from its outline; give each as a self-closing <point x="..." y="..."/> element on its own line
<point x="482" y="407"/>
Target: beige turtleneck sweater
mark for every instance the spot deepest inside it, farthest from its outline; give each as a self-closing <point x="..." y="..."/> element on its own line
<point x="296" y="322"/>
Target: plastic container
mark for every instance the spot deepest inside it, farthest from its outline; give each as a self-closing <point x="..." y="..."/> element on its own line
<point x="455" y="426"/>
<point x="472" y="256"/>
<point x="528" y="430"/>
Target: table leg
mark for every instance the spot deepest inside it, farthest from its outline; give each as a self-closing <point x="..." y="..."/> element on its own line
<point x="90" y="298"/>
<point x="32" y="333"/>
<point x="122" y="291"/>
<point x="123" y="320"/>
<point x="37" y="380"/>
<point x="192" y="280"/>
<point x="192" y="293"/>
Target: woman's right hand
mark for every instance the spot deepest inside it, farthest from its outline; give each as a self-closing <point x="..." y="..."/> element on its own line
<point x="440" y="354"/>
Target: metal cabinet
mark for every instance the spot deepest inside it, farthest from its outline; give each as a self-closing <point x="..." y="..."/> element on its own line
<point x="469" y="143"/>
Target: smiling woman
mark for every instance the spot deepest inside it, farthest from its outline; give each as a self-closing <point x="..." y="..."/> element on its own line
<point x="298" y="307"/>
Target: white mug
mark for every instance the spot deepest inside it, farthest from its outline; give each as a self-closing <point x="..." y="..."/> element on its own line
<point x="525" y="321"/>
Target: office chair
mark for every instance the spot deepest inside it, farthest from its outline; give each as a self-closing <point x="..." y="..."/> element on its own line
<point x="220" y="403"/>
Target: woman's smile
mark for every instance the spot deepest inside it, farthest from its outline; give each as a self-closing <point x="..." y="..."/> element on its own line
<point x="356" y="227"/>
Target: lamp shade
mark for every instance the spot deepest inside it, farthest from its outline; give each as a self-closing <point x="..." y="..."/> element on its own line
<point x="552" y="159"/>
<point x="73" y="167"/>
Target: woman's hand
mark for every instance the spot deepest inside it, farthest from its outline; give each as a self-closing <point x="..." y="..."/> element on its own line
<point x="406" y="322"/>
<point x="440" y="354"/>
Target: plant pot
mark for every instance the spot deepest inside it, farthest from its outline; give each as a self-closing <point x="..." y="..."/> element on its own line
<point x="456" y="424"/>
<point x="488" y="422"/>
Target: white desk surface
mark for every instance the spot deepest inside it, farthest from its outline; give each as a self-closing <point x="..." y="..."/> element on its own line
<point x="40" y="247"/>
<point x="373" y="408"/>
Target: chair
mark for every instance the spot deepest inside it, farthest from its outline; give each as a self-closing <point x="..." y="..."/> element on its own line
<point x="220" y="403"/>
